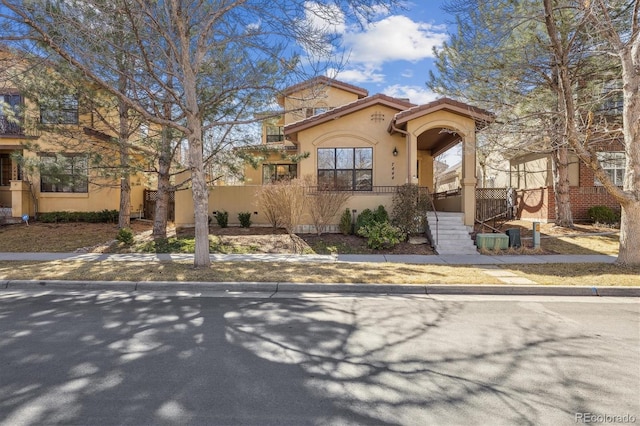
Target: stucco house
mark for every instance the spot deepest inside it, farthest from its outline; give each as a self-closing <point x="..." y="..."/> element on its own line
<point x="27" y="128"/>
<point x="365" y="144"/>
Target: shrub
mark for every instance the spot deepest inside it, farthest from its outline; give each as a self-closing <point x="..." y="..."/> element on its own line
<point x="409" y="212"/>
<point x="125" y="236"/>
<point x="345" y="222"/>
<point x="324" y="205"/>
<point x="283" y="203"/>
<point x="368" y="217"/>
<point x="104" y="216"/>
<point x="381" y="235"/>
<point x="365" y="218"/>
<point x="602" y="214"/>
<point x="222" y="217"/>
<point x="381" y="214"/>
<point x="245" y="219"/>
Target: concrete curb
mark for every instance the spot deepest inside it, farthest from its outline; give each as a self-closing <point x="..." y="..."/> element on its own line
<point x="273" y="288"/>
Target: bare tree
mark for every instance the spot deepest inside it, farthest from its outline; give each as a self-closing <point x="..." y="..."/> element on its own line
<point x="613" y="27"/>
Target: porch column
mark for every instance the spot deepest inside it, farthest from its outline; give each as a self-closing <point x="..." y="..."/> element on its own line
<point x="20" y="199"/>
<point x="412" y="159"/>
<point x="469" y="177"/>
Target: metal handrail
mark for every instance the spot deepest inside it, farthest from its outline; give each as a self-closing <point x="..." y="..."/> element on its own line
<point x="433" y="207"/>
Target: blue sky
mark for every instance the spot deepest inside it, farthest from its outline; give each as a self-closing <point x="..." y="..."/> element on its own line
<point x="394" y="53"/>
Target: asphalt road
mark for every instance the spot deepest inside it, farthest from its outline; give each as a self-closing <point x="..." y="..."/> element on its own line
<point x="99" y="359"/>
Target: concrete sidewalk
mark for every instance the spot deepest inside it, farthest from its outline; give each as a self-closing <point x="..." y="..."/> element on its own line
<point x="478" y="259"/>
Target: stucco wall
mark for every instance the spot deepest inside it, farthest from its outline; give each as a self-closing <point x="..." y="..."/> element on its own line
<point x="316" y="97"/>
<point x="358" y="130"/>
<point x="236" y="199"/>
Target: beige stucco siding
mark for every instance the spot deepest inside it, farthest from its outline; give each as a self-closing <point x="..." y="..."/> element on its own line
<point x="236" y="199"/>
<point x="295" y="104"/>
<point x="358" y="130"/>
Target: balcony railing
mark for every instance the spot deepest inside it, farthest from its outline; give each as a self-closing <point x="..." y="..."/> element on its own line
<point x="10" y="127"/>
<point x="27" y="127"/>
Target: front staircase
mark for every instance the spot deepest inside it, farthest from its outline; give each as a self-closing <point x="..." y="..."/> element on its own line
<point x="452" y="235"/>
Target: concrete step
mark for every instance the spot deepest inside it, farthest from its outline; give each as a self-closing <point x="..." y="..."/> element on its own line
<point x="451" y="233"/>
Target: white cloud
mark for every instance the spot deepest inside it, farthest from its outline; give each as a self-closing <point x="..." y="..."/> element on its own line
<point x="416" y="94"/>
<point x="408" y="73"/>
<point x="326" y="19"/>
<point x="393" y="38"/>
<point x="358" y="75"/>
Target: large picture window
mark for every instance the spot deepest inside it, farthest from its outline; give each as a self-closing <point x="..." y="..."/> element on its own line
<point x="613" y="165"/>
<point x="348" y="169"/>
<point x="64" y="173"/>
<point x="60" y="111"/>
<point x="275" y="172"/>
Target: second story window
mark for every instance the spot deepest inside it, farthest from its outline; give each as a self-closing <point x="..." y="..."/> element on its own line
<point x="10" y="122"/>
<point x="310" y="112"/>
<point x="613" y="164"/>
<point x="275" y="134"/>
<point x="60" y="111"/>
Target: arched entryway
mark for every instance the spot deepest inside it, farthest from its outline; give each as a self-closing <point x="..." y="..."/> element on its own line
<point x="434" y="128"/>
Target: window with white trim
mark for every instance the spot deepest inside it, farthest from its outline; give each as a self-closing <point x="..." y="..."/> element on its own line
<point x="613" y="164"/>
<point x="348" y="169"/>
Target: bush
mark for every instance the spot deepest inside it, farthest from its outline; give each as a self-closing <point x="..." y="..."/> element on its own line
<point x="381" y="214"/>
<point x="368" y="217"/>
<point x="222" y="217"/>
<point x="283" y="203"/>
<point x="345" y="222"/>
<point x="410" y="205"/>
<point x="381" y="235"/>
<point x="602" y="214"/>
<point x="104" y="216"/>
<point x="324" y="205"/>
<point x="125" y="236"/>
<point x="245" y="219"/>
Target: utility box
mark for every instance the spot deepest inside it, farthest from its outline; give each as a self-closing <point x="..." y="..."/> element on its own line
<point x="492" y="241"/>
<point x="514" y="237"/>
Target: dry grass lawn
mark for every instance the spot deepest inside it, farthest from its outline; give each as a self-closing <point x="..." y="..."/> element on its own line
<point x="70" y="237"/>
<point x="246" y="271"/>
<point x="593" y="274"/>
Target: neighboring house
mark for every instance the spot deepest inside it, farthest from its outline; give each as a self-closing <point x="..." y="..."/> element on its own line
<point x="367" y="145"/>
<point x="532" y="176"/>
<point x="449" y="179"/>
<point x="76" y="186"/>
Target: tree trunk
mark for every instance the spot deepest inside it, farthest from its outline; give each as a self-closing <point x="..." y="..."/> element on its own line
<point x="164" y="187"/>
<point x="124" y="214"/>
<point x="562" y="188"/>
<point x="200" y="195"/>
<point x="629" y="252"/>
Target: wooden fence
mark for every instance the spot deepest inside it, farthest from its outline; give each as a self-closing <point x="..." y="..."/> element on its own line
<point x="494" y="203"/>
<point x="150" y="197"/>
